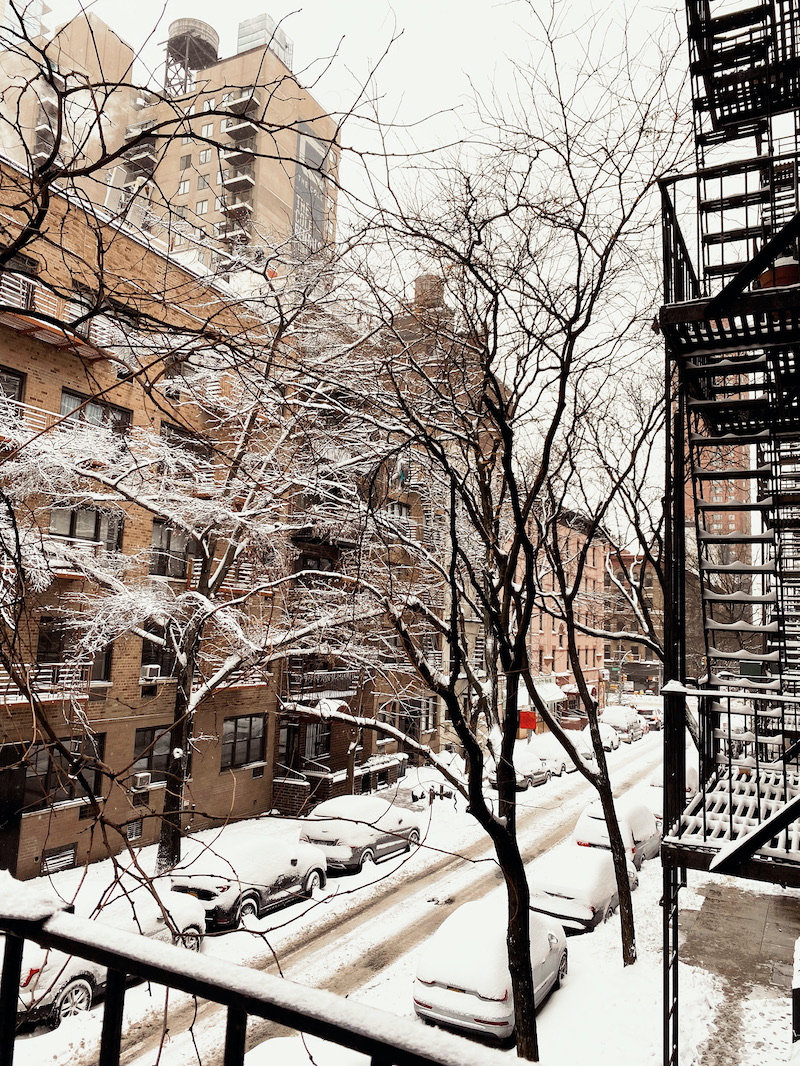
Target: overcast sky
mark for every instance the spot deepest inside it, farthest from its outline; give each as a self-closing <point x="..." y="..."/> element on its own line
<point x="442" y="43"/>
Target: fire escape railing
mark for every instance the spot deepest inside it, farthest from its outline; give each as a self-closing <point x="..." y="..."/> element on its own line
<point x="388" y="1040"/>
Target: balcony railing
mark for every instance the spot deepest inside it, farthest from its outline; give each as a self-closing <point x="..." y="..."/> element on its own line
<point x="339" y="682"/>
<point x="243" y="992"/>
<point x="48" y="681"/>
<point x="26" y="294"/>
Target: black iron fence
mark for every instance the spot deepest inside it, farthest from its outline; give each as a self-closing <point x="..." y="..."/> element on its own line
<point x="243" y="993"/>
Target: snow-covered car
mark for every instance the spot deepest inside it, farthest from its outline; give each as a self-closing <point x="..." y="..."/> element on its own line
<point x="641" y="834"/>
<point x="536" y="772"/>
<point x="354" y="831"/>
<point x="246" y="871"/>
<point x="626" y="721"/>
<point x="609" y="736"/>
<point x="462" y="980"/>
<point x="576" y="886"/>
<point x="55" y="986"/>
<point x="652" y="716"/>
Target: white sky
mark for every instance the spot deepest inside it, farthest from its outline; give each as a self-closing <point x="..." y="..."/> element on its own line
<point x="441" y="42"/>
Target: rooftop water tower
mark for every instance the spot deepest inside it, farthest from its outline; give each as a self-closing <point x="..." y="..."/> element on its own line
<point x="192" y="45"/>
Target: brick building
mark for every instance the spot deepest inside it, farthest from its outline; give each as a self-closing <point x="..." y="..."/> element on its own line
<point x="121" y="461"/>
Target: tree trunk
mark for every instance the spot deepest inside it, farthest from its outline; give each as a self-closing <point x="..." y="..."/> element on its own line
<point x="171" y="835"/>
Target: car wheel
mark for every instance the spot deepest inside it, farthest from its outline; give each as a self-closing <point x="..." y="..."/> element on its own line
<point x="312" y="883"/>
<point x="248" y="909"/>
<point x="74" y="998"/>
<point x="413" y="839"/>
<point x="367" y="858"/>
<point x="562" y="970"/>
<point x="191" y="938"/>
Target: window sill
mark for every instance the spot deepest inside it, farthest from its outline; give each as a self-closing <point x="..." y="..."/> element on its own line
<point x="63" y="805"/>
<point x="244" y="766"/>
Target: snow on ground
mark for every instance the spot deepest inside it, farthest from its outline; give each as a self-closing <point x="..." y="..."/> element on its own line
<point x="605" y="1014"/>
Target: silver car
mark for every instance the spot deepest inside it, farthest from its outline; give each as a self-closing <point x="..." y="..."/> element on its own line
<point x="354" y="831"/>
<point x="55" y="986"/>
<point x="246" y="871"/>
<point x="462" y="980"/>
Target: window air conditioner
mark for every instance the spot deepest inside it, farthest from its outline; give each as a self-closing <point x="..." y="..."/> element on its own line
<point x="142" y="780"/>
<point x="150" y="672"/>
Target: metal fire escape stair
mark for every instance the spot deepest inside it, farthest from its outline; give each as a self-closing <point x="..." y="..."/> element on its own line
<point x="732" y="330"/>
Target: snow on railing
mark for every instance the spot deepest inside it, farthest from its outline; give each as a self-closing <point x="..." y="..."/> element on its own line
<point x="47" y="681"/>
<point x="241" y="991"/>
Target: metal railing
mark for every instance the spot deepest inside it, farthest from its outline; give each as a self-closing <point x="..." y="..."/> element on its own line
<point x="47" y="681"/>
<point x="243" y="992"/>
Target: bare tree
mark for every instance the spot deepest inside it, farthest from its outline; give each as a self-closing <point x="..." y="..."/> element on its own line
<point x="534" y="310"/>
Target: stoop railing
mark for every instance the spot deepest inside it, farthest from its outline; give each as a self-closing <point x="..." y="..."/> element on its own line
<point x="388" y="1040"/>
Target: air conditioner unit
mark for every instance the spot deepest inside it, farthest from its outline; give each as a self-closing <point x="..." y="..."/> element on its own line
<point x="151" y="672"/>
<point x="142" y="780"/>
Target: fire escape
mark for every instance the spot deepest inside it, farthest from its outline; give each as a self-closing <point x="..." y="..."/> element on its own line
<point x="731" y="324"/>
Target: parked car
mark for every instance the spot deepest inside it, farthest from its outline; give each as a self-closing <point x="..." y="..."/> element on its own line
<point x="576" y="886"/>
<point x="653" y="717"/>
<point x="557" y="765"/>
<point x="55" y="986"/>
<point x="246" y="871"/>
<point x="641" y="835"/>
<point x="536" y="773"/>
<point x="608" y="736"/>
<point x="462" y="980"/>
<point x="626" y="721"/>
<point x="356" y="830"/>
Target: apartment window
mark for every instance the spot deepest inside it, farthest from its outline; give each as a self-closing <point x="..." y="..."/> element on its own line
<point x="202" y="207"/>
<point x="133" y="830"/>
<point x="11" y="384"/>
<point x="62" y="858"/>
<point x="78" y="408"/>
<point x="207" y="130"/>
<point x="186" y="139"/>
<point x="203" y="182"/>
<point x="101" y="664"/>
<point x="205" y="156"/>
<point x="209" y="104"/>
<point x="318" y="741"/>
<point x="50" y="774"/>
<point x="151" y="750"/>
<point x="314" y="561"/>
<point x="86" y="523"/>
<point x="186" y="161"/>
<point x="53" y="643"/>
<point x="242" y="741"/>
<point x="158" y="651"/>
<point x="170" y="550"/>
<point x="183" y="187"/>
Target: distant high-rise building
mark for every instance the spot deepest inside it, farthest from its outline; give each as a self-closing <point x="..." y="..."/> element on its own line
<point x="231" y="153"/>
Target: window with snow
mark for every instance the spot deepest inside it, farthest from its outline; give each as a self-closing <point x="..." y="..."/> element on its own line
<point x="242" y="741"/>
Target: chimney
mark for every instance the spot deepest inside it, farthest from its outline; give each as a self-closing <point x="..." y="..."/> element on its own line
<point x="428" y="291"/>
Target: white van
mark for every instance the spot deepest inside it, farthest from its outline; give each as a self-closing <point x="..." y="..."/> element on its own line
<point x="625" y="720"/>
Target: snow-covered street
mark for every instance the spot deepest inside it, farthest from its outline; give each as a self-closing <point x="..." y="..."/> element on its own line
<point x="360" y="936"/>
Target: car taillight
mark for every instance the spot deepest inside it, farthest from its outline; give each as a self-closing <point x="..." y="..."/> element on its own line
<point x="490" y="1021"/>
<point x="25" y="981"/>
<point x="592" y="908"/>
<point x="495" y="999"/>
<point x="583" y="843"/>
<point x="422" y="1003"/>
<point x="423" y="982"/>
